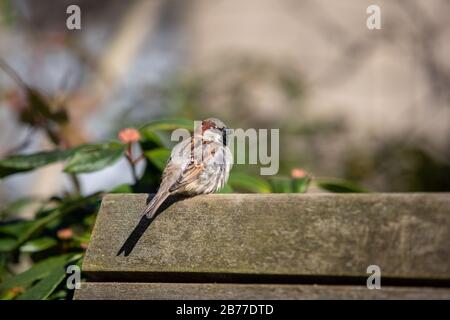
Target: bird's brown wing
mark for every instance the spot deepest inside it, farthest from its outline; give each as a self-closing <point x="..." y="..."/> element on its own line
<point x="176" y="164"/>
<point x="174" y="167"/>
<point x="191" y="173"/>
<point x="188" y="176"/>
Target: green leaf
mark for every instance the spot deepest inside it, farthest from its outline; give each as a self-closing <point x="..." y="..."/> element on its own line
<point x="55" y="214"/>
<point x="3" y="265"/>
<point x="58" y="295"/>
<point x="37" y="245"/>
<point x="158" y="157"/>
<point x="289" y="185"/>
<point x="94" y="157"/>
<point x="38" y="271"/>
<point x="16" y="228"/>
<point x="281" y="184"/>
<point x="16" y="206"/>
<point x="226" y="189"/>
<point x="123" y="188"/>
<point x="151" y="137"/>
<point x="38" y="224"/>
<point x="23" y="163"/>
<point x="46" y="286"/>
<point x="167" y="125"/>
<point x="4" y="172"/>
<point x="32" y="161"/>
<point x="300" y="185"/>
<point x="24" y="230"/>
<point x="7" y="13"/>
<point x="247" y="182"/>
<point x="339" y="186"/>
<point x="89" y="220"/>
<point x="7" y="244"/>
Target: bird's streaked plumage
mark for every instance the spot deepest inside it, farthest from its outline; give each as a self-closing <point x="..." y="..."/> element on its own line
<point x="198" y="165"/>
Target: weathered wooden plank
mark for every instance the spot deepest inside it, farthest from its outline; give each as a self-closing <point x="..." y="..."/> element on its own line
<point x="226" y="291"/>
<point x="225" y="238"/>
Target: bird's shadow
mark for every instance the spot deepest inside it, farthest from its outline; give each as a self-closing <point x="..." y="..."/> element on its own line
<point x="144" y="223"/>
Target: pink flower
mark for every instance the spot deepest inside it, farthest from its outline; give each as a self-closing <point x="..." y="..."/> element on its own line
<point x="129" y="135"/>
<point x="84" y="245"/>
<point x="298" y="173"/>
<point x="65" y="234"/>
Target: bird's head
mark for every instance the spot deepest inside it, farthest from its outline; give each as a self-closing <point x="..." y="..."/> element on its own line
<point x="214" y="130"/>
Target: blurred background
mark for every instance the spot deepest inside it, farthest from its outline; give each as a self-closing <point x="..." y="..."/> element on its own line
<point x="369" y="106"/>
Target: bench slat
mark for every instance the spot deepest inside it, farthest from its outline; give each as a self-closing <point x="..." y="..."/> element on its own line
<point x="228" y="238"/>
<point x="146" y="291"/>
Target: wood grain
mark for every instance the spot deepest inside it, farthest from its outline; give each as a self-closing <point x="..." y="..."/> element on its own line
<point x="274" y="238"/>
<point x="225" y="291"/>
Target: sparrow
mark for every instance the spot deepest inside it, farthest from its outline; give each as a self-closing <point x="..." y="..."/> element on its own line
<point x="198" y="165"/>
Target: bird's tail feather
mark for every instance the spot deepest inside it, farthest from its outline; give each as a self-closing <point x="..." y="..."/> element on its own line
<point x="155" y="203"/>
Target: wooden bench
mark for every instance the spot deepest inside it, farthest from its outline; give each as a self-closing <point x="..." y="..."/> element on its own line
<point x="270" y="246"/>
